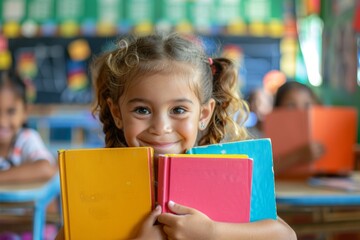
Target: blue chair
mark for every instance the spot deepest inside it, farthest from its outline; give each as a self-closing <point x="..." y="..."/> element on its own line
<point x="40" y="194"/>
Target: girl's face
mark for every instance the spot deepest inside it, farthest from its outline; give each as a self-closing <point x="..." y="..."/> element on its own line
<point x="12" y="116"/>
<point x="297" y="99"/>
<point x="161" y="111"/>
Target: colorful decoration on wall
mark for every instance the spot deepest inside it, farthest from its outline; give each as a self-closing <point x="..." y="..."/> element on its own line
<point x="70" y="18"/>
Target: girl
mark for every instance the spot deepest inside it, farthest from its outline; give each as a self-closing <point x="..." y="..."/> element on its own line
<point x="163" y="92"/>
<point x="295" y="95"/>
<point x="23" y="155"/>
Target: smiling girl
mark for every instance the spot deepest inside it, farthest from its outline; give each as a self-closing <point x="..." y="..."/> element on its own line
<point x="164" y="92"/>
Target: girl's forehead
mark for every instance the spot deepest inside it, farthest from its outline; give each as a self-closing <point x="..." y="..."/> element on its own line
<point x="162" y="82"/>
<point x="161" y="88"/>
<point x="171" y="70"/>
<point x="9" y="98"/>
<point x="9" y="92"/>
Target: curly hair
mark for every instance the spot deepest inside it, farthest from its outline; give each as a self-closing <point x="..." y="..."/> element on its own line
<point x="135" y="57"/>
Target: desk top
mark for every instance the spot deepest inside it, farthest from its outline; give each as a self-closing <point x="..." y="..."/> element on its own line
<point x="300" y="193"/>
<point x="30" y="191"/>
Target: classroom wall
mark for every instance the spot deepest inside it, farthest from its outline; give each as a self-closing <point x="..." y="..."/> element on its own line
<point x="37" y="36"/>
<point x="341" y="55"/>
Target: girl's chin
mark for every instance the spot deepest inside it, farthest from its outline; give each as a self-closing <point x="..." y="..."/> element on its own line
<point x="157" y="154"/>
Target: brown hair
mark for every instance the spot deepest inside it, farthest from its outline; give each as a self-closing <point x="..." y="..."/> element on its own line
<point x="10" y="79"/>
<point x="291" y="85"/>
<point x="136" y="57"/>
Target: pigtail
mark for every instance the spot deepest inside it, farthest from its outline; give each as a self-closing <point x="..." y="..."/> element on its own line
<point x="222" y="126"/>
<point x="114" y="137"/>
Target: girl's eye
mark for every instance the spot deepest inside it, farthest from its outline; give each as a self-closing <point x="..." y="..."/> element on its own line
<point x="178" y="110"/>
<point x="11" y="111"/>
<point x="142" y="110"/>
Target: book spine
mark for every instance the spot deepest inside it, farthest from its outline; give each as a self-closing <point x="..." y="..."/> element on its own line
<point x="163" y="182"/>
<point x="152" y="177"/>
<point x="63" y="188"/>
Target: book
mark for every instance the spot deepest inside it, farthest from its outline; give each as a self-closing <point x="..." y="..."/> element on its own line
<point x="217" y="185"/>
<point x="334" y="127"/>
<point x="106" y="193"/>
<point x="262" y="205"/>
<point x="288" y="129"/>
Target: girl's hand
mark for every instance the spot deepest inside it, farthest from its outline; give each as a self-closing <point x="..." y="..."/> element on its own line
<point x="311" y="152"/>
<point x="149" y="230"/>
<point x="186" y="223"/>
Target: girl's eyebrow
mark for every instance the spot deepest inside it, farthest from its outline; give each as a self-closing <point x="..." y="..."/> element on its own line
<point x="180" y="100"/>
<point x="135" y="100"/>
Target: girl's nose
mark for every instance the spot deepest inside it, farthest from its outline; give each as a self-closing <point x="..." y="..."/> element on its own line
<point x="160" y="125"/>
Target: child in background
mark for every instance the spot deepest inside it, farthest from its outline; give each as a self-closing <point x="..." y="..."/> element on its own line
<point x="164" y="92"/>
<point x="295" y="95"/>
<point x="23" y="155"/>
<point x="260" y="103"/>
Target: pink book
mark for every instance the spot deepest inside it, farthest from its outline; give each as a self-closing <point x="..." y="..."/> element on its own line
<point x="217" y="185"/>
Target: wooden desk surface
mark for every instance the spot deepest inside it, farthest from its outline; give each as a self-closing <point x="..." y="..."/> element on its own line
<point x="318" y="210"/>
<point x="302" y="194"/>
<point x="32" y="191"/>
<point x="21" y="186"/>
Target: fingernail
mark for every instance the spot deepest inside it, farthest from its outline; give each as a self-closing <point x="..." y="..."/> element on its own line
<point x="158" y="207"/>
<point x="171" y="203"/>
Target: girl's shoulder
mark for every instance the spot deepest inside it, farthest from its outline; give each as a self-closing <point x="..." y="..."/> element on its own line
<point x="27" y="134"/>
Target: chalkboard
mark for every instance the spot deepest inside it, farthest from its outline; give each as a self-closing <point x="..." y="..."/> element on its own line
<point x="57" y="78"/>
<point x="48" y="69"/>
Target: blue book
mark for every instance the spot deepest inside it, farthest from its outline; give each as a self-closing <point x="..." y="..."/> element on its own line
<point x="263" y="202"/>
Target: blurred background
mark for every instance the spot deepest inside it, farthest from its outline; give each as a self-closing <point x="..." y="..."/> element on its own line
<point x="51" y="42"/>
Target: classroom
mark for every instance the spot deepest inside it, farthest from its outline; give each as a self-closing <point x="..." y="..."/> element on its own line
<point x="291" y="114"/>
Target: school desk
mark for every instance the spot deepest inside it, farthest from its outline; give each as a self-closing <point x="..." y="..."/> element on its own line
<point x="318" y="210"/>
<point x="35" y="195"/>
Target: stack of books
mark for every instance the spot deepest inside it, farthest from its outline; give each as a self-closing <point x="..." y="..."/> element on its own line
<point x="107" y="193"/>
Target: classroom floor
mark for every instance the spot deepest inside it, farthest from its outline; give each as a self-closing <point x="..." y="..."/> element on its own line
<point x="50" y="232"/>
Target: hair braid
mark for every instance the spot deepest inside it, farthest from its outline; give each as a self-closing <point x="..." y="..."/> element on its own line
<point x="226" y="95"/>
<point x="113" y="135"/>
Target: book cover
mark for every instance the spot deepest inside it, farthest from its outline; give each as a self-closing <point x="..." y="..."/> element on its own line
<point x="262" y="205"/>
<point x="288" y="129"/>
<point x="217" y="185"/>
<point x="106" y="193"/>
<point x="334" y="127"/>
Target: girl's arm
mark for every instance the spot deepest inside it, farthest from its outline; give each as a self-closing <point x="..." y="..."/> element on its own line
<point x="32" y="171"/>
<point x="189" y="223"/>
<point x="301" y="156"/>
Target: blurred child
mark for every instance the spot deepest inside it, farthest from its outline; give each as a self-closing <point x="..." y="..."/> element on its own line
<point x="164" y="92"/>
<point x="295" y="95"/>
<point x="23" y="155"/>
<point x="260" y="103"/>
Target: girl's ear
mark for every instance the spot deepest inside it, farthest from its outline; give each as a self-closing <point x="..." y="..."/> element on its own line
<point x="115" y="113"/>
<point x="206" y="112"/>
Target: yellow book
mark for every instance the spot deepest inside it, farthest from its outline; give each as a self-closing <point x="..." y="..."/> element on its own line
<point x="106" y="193"/>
